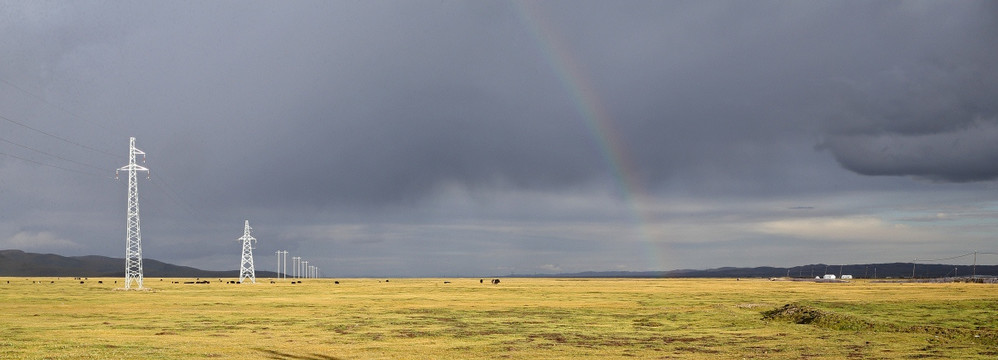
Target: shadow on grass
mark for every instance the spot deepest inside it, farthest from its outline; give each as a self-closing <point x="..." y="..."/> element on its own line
<point x="272" y="354"/>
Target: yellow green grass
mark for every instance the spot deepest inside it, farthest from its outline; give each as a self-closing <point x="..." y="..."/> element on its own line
<point x="49" y="318"/>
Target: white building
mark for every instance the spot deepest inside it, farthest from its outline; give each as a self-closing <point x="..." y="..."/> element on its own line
<point x="829" y="276"/>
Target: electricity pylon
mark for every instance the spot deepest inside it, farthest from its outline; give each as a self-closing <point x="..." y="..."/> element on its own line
<point x="246" y="265"/>
<point x="133" y="237"/>
<point x="278" y="263"/>
<point x="279" y="253"/>
<point x="285" y="264"/>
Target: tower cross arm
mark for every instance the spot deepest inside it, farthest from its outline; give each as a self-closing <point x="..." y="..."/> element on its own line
<point x="133" y="167"/>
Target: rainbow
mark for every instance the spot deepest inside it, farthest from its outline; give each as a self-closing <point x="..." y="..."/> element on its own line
<point x="586" y="100"/>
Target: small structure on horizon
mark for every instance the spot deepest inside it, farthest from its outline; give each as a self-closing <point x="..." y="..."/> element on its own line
<point x="829" y="277"/>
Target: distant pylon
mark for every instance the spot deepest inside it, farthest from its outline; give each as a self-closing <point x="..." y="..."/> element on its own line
<point x="279" y="253"/>
<point x="285" y="264"/>
<point x="278" y="263"/>
<point x="133" y="237"/>
<point x="246" y="265"/>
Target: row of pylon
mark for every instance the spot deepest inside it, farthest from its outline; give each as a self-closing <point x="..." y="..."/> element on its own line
<point x="299" y="267"/>
<point x="133" y="236"/>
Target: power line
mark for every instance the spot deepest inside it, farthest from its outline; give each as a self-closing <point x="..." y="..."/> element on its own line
<point x="52" y="155"/>
<point x="176" y="199"/>
<point x="57" y="137"/>
<point x="53" y="166"/>
<point x="164" y="181"/>
<point x="948" y="258"/>
<point x="42" y="99"/>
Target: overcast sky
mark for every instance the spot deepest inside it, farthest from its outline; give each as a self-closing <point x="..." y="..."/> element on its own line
<point x="471" y="138"/>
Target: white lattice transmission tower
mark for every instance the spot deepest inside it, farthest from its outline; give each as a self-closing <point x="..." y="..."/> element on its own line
<point x="246" y="264"/>
<point x="133" y="237"/>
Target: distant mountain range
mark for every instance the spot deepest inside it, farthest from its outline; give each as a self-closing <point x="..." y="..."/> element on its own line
<point x="20" y="263"/>
<point x="880" y="271"/>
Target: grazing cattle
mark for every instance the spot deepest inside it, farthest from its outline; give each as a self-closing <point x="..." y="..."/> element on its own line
<point x="481" y="281"/>
<point x="446" y="282"/>
<point x="495" y="281"/>
<point x="81" y="282"/>
<point x="100" y="282"/>
<point x="336" y="282"/>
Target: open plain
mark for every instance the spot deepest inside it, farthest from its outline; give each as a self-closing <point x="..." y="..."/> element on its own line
<point x="62" y="318"/>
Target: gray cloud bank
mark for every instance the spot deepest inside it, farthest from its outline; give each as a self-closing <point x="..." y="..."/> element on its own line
<point x="929" y="112"/>
<point x="409" y="113"/>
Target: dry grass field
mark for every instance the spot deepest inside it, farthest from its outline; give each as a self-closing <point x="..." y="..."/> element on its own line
<point x="49" y="318"/>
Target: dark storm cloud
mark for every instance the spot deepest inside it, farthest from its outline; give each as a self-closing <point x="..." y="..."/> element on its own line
<point x="410" y="120"/>
<point x="378" y="103"/>
<point x="929" y="111"/>
<point x="961" y="155"/>
<point x="486" y="103"/>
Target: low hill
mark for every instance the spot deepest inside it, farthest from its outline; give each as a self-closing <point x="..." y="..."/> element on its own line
<point x="20" y="263"/>
<point x="860" y="271"/>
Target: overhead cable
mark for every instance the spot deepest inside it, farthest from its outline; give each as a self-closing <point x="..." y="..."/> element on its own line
<point x="57" y="137"/>
<point x="52" y="155"/>
<point x="53" y="166"/>
<point x="42" y="99"/>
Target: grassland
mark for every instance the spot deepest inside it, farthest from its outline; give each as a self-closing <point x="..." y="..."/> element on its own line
<point x="49" y="318"/>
